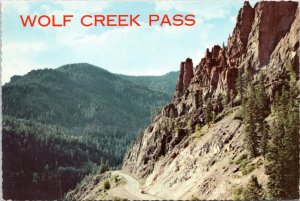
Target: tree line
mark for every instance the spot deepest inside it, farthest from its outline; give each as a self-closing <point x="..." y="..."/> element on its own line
<point x="271" y="130"/>
<point x="278" y="140"/>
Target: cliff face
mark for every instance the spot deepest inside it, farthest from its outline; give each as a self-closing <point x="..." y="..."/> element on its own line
<point x="173" y="153"/>
<point x="185" y="75"/>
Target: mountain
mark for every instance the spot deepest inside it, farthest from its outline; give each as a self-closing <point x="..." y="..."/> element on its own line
<point x="232" y="128"/>
<point x="43" y="162"/>
<point x="80" y="95"/>
<point x="219" y="137"/>
<point x="73" y="105"/>
<point x="165" y="83"/>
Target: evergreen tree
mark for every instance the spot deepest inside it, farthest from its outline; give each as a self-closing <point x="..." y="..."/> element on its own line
<point x="231" y="97"/>
<point x="291" y="143"/>
<point x="226" y="99"/>
<point x="283" y="151"/>
<point x="251" y="138"/>
<point x="262" y="100"/>
<point x="208" y="112"/>
<point x="253" y="190"/>
<point x="240" y="84"/>
<point x="263" y="110"/>
<point x="263" y="142"/>
<point x="291" y="140"/>
<point x="275" y="166"/>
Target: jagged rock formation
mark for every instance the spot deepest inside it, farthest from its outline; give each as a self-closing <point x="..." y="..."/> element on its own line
<point x="169" y="155"/>
<point x="185" y="75"/>
<point x="237" y="43"/>
<point x="272" y="21"/>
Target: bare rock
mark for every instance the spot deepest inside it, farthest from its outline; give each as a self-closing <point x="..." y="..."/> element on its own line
<point x="271" y="22"/>
<point x="185" y="75"/>
<point x="265" y="38"/>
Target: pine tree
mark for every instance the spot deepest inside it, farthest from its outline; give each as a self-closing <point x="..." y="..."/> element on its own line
<point x="249" y="110"/>
<point x="231" y="97"/>
<point x="275" y="166"/>
<point x="262" y="100"/>
<point x="291" y="152"/>
<point x="263" y="110"/>
<point x="226" y="99"/>
<point x="283" y="151"/>
<point x="240" y="85"/>
<point x="291" y="139"/>
<point x="208" y="112"/>
<point x="253" y="190"/>
<point x="263" y="142"/>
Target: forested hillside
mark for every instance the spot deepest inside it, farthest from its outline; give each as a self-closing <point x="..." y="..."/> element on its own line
<point x="165" y="83"/>
<point x="43" y="162"/>
<point x="80" y="96"/>
<point x="68" y="121"/>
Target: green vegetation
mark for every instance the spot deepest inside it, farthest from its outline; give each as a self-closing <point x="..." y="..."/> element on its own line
<point x="226" y="99"/>
<point x="119" y="199"/>
<point x="245" y="165"/>
<point x="283" y="151"/>
<point x="279" y="144"/>
<point x="252" y="191"/>
<point x="247" y="168"/>
<point x="198" y="132"/>
<point x="208" y="112"/>
<point x="81" y="98"/>
<point x="238" y="114"/>
<point x="116" y="178"/>
<point x="61" y="124"/>
<point x="256" y="108"/>
<point x="194" y="198"/>
<point x="42" y="161"/>
<point x="106" y="185"/>
<point x="250" y="111"/>
<point x="242" y="158"/>
<point x="263" y="110"/>
<point x="165" y="83"/>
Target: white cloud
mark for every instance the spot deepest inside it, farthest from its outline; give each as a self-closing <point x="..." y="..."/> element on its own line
<point x="233" y="19"/>
<point x="78" y="7"/>
<point x="127" y="47"/>
<point x="17" y="58"/>
<point x="203" y="9"/>
<point x="16" y="6"/>
<point x="129" y="50"/>
<point x="86" y="6"/>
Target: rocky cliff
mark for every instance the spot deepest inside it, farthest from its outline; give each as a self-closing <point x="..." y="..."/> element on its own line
<point x="178" y="152"/>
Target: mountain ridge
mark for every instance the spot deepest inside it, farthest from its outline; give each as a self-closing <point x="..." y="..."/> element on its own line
<point x="83" y="103"/>
<point x="191" y="149"/>
<point x="142" y="80"/>
<point x="75" y="74"/>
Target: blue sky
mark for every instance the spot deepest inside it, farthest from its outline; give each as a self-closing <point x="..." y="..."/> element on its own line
<point x="127" y="50"/>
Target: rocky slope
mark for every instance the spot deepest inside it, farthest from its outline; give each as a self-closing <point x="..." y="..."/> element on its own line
<point x="180" y="155"/>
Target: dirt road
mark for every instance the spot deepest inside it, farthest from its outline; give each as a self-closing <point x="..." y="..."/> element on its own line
<point x="130" y="190"/>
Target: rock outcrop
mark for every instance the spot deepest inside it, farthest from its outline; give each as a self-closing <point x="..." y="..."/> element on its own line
<point x="185" y="75"/>
<point x="265" y="39"/>
<point x="237" y="43"/>
<point x="272" y="22"/>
